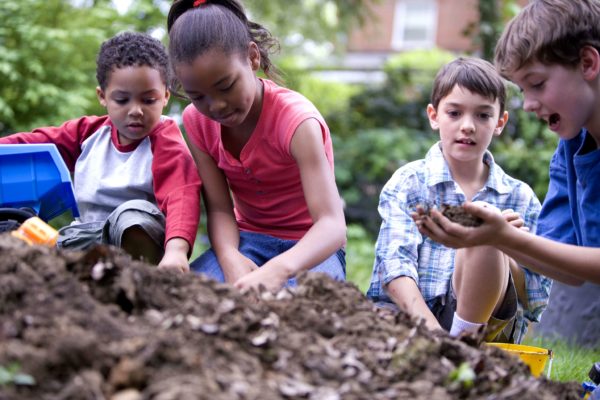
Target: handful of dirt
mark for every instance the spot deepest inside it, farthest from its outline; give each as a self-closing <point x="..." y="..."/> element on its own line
<point x="459" y="215"/>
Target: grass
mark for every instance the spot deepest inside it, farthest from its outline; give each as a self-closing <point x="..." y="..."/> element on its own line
<point x="360" y="253"/>
<point x="571" y="362"/>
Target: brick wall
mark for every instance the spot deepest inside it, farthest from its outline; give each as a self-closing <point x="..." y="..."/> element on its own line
<point x="453" y="17"/>
<point x="376" y="35"/>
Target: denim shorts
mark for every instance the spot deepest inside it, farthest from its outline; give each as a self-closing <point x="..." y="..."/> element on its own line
<point x="80" y="236"/>
<point x="260" y="248"/>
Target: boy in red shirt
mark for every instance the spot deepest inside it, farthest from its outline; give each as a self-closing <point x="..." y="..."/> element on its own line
<point x="135" y="181"/>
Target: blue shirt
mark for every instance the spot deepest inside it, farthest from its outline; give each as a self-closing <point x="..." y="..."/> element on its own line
<point x="571" y="210"/>
<point x="402" y="251"/>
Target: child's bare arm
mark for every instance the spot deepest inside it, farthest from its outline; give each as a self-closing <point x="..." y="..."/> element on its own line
<point x="406" y="294"/>
<point x="222" y="226"/>
<point x="328" y="232"/>
<point x="567" y="263"/>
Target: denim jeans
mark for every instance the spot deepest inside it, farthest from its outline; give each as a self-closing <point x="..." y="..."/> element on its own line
<point x="260" y="248"/>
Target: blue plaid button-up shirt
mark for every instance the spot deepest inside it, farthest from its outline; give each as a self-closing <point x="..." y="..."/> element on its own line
<point x="402" y="251"/>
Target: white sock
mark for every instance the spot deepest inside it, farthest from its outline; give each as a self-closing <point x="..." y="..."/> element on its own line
<point x="459" y="325"/>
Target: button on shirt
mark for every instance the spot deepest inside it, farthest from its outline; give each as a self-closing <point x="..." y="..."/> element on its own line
<point x="402" y="251"/>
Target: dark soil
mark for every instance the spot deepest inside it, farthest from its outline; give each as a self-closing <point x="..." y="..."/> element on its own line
<point x="97" y="325"/>
<point x="459" y="215"/>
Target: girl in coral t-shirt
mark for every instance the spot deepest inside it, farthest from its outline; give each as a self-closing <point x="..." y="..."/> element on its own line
<point x="264" y="153"/>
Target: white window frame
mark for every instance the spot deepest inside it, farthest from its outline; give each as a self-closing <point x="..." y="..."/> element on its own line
<point x="404" y="19"/>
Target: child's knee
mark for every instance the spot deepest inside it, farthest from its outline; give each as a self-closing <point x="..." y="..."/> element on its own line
<point x="480" y="257"/>
<point x="139" y="244"/>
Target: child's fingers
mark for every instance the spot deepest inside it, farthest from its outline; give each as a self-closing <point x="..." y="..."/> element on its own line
<point x="517" y="223"/>
<point x="416" y="217"/>
<point x="440" y="229"/>
<point x="513" y="218"/>
<point x="441" y="222"/>
<point x="420" y="210"/>
<point x="510" y="215"/>
<point x="423" y="230"/>
<point x="478" y="210"/>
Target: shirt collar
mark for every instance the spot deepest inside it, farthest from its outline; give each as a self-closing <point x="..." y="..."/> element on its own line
<point x="440" y="172"/>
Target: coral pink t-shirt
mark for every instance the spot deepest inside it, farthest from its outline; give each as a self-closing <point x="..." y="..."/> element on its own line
<point x="265" y="181"/>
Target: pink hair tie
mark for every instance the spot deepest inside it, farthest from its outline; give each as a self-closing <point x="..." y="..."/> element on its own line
<point x="199" y="2"/>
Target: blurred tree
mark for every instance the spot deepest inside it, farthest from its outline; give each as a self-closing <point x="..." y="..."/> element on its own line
<point x="48" y="49"/>
<point x="47" y="58"/>
<point x="493" y="15"/>
<point x="317" y="21"/>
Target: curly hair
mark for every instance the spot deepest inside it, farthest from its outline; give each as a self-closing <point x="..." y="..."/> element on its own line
<point x="221" y="24"/>
<point x="131" y="49"/>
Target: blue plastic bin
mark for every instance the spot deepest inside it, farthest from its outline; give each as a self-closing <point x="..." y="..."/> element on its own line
<point x="35" y="176"/>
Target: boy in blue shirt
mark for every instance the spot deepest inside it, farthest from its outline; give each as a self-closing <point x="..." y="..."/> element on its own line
<point x="551" y="50"/>
<point x="466" y="289"/>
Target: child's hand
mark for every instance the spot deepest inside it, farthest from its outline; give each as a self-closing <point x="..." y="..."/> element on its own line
<point x="174" y="261"/>
<point x="237" y="266"/>
<point x="269" y="276"/>
<point x="175" y="258"/>
<point x="515" y="219"/>
<point x="451" y="234"/>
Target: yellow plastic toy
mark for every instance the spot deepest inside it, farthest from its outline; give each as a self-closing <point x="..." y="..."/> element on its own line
<point x="535" y="357"/>
<point x="35" y="231"/>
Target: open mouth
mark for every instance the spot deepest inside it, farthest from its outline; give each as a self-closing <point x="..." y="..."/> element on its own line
<point x="553" y="120"/>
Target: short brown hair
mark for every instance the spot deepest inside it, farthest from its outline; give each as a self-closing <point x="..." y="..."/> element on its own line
<point x="474" y="74"/>
<point x="548" y="31"/>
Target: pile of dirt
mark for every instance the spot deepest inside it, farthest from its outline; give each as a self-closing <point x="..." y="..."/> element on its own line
<point x="97" y="325"/>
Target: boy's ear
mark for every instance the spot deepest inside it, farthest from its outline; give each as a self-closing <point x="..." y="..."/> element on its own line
<point x="501" y="123"/>
<point x="433" y="117"/>
<point x="101" y="96"/>
<point x="590" y="62"/>
<point x="254" y="56"/>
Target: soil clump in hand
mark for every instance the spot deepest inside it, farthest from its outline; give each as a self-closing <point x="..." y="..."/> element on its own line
<point x="459" y="215"/>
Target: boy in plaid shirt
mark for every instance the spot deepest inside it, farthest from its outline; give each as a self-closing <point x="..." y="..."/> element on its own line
<point x="467" y="289"/>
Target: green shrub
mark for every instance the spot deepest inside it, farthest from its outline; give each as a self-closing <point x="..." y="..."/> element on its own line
<point x="360" y="253"/>
<point x="366" y="161"/>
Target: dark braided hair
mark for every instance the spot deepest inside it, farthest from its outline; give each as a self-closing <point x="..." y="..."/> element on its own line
<point x="218" y="24"/>
<point x="131" y="49"/>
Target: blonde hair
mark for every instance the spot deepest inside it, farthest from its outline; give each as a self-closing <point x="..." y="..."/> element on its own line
<point x="550" y="32"/>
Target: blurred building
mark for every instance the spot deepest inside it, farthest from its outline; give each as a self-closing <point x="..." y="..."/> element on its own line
<point x="401" y="25"/>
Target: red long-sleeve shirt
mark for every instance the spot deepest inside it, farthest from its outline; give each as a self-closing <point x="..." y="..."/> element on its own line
<point x="159" y="168"/>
